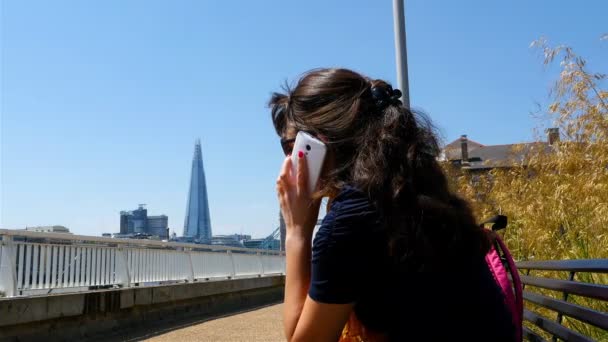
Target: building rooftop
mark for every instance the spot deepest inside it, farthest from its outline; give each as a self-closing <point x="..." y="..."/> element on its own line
<point x="49" y="229"/>
<point x="494" y="156"/>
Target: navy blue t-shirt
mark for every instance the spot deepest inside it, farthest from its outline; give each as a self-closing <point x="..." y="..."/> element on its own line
<point x="350" y="264"/>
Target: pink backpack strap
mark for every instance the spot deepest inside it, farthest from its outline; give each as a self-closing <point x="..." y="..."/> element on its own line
<point x="499" y="272"/>
<point x="513" y="299"/>
<point x="519" y="301"/>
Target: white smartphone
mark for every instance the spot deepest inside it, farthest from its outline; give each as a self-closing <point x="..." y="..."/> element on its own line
<point x="315" y="151"/>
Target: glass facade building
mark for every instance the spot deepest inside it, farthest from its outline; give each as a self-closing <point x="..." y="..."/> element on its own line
<point x="197" y="224"/>
<point x="138" y="222"/>
<point x="134" y="221"/>
<point x="157" y="225"/>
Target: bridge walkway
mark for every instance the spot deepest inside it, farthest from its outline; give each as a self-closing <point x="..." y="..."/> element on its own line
<point x="263" y="324"/>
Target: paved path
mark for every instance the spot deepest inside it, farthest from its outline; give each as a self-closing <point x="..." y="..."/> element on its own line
<point x="258" y="325"/>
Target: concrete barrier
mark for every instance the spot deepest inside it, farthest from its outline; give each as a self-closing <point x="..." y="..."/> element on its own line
<point x="87" y="315"/>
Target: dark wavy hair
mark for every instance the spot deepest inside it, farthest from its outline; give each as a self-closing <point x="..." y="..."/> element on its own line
<point x="390" y="153"/>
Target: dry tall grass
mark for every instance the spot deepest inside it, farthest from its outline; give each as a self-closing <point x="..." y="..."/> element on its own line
<point x="557" y="202"/>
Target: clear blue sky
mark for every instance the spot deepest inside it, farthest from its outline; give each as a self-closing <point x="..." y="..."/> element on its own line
<point x="101" y="101"/>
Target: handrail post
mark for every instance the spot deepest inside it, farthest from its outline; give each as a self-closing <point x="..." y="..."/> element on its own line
<point x="233" y="271"/>
<point x="560" y="316"/>
<point x="523" y="286"/>
<point x="8" y="278"/>
<point x="191" y="277"/>
<point x="261" y="260"/>
<point x="123" y="274"/>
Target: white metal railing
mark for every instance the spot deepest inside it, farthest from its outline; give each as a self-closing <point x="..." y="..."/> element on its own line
<point x="40" y="263"/>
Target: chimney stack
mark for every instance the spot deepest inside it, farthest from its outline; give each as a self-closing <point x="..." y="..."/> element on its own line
<point x="464" y="148"/>
<point x="552" y="135"/>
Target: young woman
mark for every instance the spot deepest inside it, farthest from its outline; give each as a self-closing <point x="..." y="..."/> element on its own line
<point x="398" y="256"/>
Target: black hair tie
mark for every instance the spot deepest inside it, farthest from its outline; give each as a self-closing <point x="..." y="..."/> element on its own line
<point x="385" y="96"/>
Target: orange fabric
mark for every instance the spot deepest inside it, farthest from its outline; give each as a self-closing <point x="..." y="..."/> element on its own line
<point x="354" y="331"/>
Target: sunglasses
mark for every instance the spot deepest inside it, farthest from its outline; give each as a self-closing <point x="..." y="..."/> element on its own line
<point x="287" y="145"/>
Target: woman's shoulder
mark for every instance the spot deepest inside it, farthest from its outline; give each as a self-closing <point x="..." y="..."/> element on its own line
<point x="349" y="196"/>
<point x="351" y="211"/>
<point x="351" y="223"/>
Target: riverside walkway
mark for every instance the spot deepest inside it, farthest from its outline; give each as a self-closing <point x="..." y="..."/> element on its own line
<point x="262" y="324"/>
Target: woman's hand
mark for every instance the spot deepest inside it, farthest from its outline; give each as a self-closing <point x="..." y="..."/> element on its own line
<point x="303" y="318"/>
<point x="299" y="210"/>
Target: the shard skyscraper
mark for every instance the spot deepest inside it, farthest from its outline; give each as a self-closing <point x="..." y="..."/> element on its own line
<point x="197" y="224"/>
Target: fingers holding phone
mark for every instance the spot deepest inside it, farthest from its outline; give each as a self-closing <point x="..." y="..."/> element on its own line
<point x="314" y="151"/>
<point x="302" y="188"/>
<point x="296" y="184"/>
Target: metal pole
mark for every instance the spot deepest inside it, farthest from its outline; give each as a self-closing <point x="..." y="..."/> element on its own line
<point x="401" y="51"/>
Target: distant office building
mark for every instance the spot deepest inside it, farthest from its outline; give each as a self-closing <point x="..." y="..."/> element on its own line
<point x="124" y="222"/>
<point x="49" y="229"/>
<point x="234" y="240"/>
<point x="273" y="244"/>
<point x="157" y="225"/>
<point x="197" y="224"/>
<point x="253" y="243"/>
<point x="137" y="222"/>
<point x="134" y="221"/>
<point x="226" y="240"/>
<point x="242" y="237"/>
